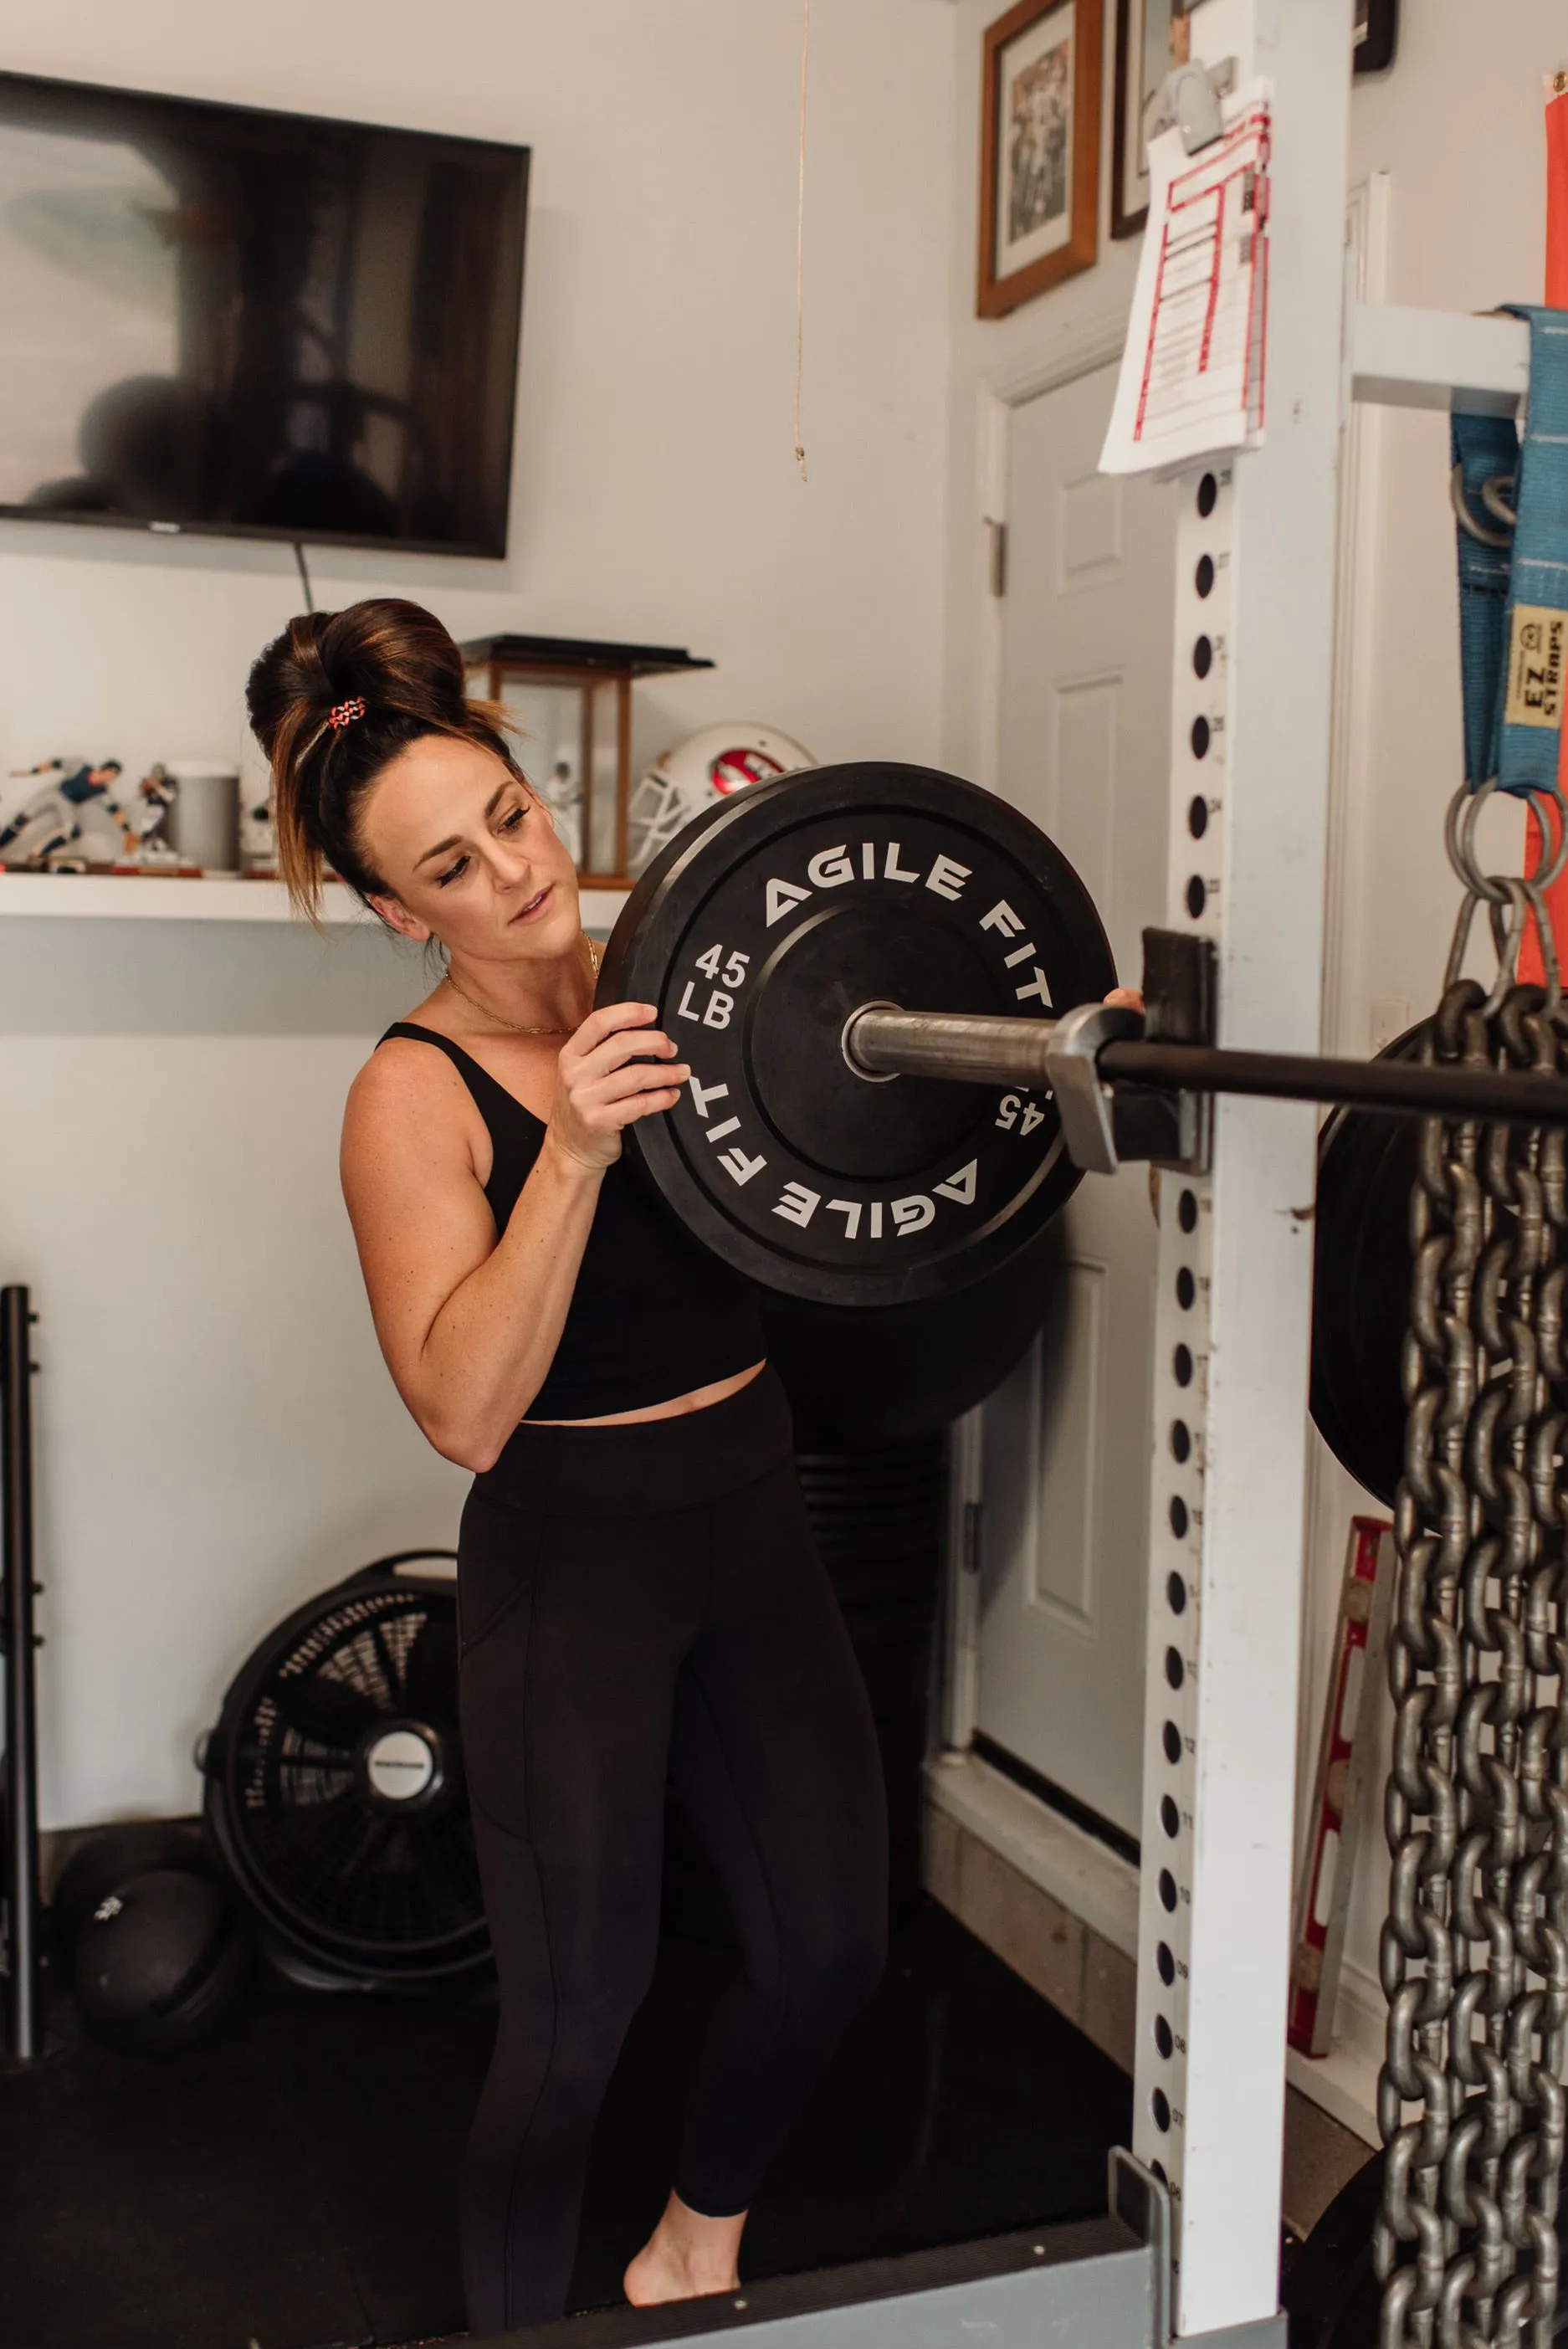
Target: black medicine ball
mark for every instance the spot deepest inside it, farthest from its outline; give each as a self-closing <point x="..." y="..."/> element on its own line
<point x="110" y="1857"/>
<point x="160" y="1963"/>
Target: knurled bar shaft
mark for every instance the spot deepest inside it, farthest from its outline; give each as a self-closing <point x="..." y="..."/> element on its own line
<point x="978" y="1050"/>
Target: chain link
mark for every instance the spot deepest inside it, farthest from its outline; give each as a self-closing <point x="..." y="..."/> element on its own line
<point x="1474" y="1954"/>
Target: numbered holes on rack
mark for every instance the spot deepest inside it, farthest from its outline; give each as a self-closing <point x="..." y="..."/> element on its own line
<point x="1186" y="1292"/>
<point x="1182" y="1366"/>
<point x="1167" y="1892"/>
<point x="1179" y="1517"/>
<point x="1170" y="1738"/>
<point x="1180" y="1441"/>
<point x="1187" y="1211"/>
<point x="1202" y="656"/>
<point x="1203" y="576"/>
<point x="1176" y="1594"/>
<point x="1159" y="2105"/>
<point x="1175" y="1669"/>
<point x="1169" y="1817"/>
<point x="1165" y="1964"/>
<point x="1200" y="737"/>
<point x="1208" y="495"/>
<point x="1198" y="818"/>
<point x="1197" y="895"/>
<point x="1164" y="2037"/>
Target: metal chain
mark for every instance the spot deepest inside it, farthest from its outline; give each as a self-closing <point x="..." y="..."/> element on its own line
<point x="1474" y="1954"/>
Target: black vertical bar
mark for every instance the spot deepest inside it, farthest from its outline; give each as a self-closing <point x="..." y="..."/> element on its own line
<point x="24" y="2033"/>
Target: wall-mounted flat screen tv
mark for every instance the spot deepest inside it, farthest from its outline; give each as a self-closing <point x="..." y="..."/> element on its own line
<point x="213" y="318"/>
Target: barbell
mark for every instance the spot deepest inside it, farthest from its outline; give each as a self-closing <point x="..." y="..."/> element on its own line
<point x="887" y="984"/>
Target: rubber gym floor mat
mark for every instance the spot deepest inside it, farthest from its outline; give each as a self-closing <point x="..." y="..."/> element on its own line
<point x="292" y="2184"/>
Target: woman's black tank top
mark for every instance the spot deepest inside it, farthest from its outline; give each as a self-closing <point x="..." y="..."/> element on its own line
<point x="653" y="1314"/>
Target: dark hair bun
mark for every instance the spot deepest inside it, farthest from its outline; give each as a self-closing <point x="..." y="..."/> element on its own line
<point x="403" y="665"/>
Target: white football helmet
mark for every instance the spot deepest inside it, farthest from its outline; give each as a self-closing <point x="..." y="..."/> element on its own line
<point x="708" y="766"/>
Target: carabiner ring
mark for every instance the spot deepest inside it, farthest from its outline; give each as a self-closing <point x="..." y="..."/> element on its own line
<point x="1492" y="499"/>
<point x="1466" y="520"/>
<point x="1458" y="833"/>
<point x="1507" y="938"/>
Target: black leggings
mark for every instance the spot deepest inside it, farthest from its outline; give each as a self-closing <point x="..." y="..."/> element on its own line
<point x="639" y="1602"/>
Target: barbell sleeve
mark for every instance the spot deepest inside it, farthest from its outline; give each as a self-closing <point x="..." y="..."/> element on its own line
<point x="882" y="1041"/>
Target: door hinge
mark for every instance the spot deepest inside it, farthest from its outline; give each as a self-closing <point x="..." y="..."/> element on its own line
<point x="969" y="1557"/>
<point x="999" y="567"/>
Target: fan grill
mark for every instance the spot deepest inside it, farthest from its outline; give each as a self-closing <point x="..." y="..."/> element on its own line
<point x="391" y="1888"/>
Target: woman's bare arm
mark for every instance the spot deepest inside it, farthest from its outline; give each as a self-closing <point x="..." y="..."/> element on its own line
<point x="468" y="1324"/>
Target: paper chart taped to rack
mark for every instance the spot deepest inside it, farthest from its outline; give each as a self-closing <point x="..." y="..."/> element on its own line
<point x="1194" y="368"/>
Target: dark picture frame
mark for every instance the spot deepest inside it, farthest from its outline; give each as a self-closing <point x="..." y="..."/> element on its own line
<point x="1040" y="151"/>
<point x="1376" y="34"/>
<point x="1141" y="60"/>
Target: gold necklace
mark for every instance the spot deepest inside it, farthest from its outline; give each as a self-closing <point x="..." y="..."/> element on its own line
<point x="595" y="955"/>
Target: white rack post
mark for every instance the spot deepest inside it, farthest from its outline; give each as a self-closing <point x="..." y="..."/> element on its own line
<point x="1249" y="799"/>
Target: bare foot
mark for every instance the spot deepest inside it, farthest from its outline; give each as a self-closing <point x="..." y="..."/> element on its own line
<point x="686" y="2256"/>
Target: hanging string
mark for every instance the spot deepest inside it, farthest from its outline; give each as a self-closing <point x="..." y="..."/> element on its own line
<point x="800" y="236"/>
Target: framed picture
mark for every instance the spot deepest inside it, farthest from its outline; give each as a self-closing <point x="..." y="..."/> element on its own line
<point x="1376" y="30"/>
<point x="1040" y="150"/>
<point x="1143" y="62"/>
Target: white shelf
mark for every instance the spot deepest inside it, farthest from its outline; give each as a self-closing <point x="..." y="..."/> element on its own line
<point x="160" y="897"/>
<point x="153" y="896"/>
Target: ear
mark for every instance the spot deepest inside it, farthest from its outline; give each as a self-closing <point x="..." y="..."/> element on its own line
<point x="396" y="916"/>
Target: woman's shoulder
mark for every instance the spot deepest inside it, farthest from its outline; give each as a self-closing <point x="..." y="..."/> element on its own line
<point x="408" y="1078"/>
<point x="410" y="1128"/>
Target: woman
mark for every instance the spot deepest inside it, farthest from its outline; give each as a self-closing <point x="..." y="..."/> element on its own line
<point x="638" y="1594"/>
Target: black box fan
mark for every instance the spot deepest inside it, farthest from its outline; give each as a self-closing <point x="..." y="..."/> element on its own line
<point x="335" y="1797"/>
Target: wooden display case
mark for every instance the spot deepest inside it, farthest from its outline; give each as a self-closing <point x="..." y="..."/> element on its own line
<point x="571" y="700"/>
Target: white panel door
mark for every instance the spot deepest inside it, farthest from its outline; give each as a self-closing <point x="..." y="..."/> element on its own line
<point x="1085" y="698"/>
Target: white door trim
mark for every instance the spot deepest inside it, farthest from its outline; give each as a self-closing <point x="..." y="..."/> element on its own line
<point x="1367" y="228"/>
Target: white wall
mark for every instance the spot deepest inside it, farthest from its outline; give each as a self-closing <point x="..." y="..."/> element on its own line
<point x="216" y="1435"/>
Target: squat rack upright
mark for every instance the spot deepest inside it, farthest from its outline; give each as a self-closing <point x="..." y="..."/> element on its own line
<point x="1192" y="2247"/>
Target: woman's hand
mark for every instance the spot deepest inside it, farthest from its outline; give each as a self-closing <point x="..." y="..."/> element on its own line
<point x="613" y="1071"/>
<point x="1128" y="997"/>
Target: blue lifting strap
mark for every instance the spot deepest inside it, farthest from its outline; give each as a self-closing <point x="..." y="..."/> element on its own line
<point x="1510" y="498"/>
